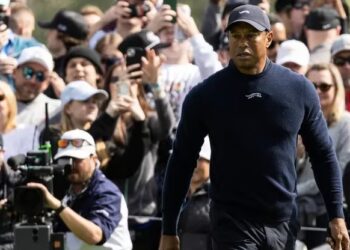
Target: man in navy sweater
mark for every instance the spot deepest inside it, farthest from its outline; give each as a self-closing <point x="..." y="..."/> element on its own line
<point x="252" y="111"/>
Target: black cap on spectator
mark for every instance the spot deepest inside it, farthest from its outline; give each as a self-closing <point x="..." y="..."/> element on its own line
<point x="231" y="4"/>
<point x="144" y="39"/>
<point x="68" y="22"/>
<point x="87" y="53"/>
<point x="282" y="5"/>
<point x="322" y="19"/>
<point x="250" y="14"/>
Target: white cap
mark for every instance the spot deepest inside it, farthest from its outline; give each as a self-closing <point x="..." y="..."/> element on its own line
<point x="5" y="3"/>
<point x="85" y="151"/>
<point x="205" y="152"/>
<point x="293" y="51"/>
<point x="81" y="91"/>
<point x="342" y="43"/>
<point x="38" y="54"/>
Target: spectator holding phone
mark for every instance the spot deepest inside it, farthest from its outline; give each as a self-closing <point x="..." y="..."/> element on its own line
<point x="141" y="123"/>
<point x="124" y="17"/>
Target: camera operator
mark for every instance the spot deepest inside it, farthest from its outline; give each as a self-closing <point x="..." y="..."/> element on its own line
<point x="94" y="211"/>
<point x="8" y="178"/>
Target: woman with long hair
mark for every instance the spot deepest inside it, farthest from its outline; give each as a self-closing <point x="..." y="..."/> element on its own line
<point x="144" y="118"/>
<point x="329" y="86"/>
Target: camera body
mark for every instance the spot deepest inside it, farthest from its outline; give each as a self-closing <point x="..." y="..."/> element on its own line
<point x="139" y="10"/>
<point x="36" y="166"/>
<point x="34" y="230"/>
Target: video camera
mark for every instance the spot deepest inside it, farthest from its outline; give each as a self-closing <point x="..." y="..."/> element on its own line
<point x="35" y="229"/>
<point x="36" y="166"/>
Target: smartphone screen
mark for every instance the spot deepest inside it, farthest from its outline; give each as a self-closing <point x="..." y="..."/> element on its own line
<point x="123" y="88"/>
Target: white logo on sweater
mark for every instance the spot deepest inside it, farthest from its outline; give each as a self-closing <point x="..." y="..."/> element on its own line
<point x="253" y="95"/>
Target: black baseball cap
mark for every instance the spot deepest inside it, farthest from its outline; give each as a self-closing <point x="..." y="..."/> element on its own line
<point x="143" y="39"/>
<point x="250" y="14"/>
<point x="282" y="5"/>
<point x="68" y="22"/>
<point x="322" y="18"/>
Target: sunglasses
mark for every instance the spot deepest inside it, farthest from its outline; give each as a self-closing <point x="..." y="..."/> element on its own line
<point x="323" y="87"/>
<point x="2" y="97"/>
<point x="340" y="61"/>
<point x="274" y="43"/>
<point x="28" y="74"/>
<point x="78" y="143"/>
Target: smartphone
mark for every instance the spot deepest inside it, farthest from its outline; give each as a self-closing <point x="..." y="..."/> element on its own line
<point x="173" y="6"/>
<point x="186" y="10"/>
<point x="134" y="55"/>
<point x="123" y="88"/>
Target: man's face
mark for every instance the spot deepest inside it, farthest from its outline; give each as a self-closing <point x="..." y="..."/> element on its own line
<point x="79" y="68"/>
<point x="248" y="46"/>
<point x="279" y="35"/>
<point x="53" y="42"/>
<point x="82" y="170"/>
<point x="31" y="79"/>
<point x="342" y="61"/>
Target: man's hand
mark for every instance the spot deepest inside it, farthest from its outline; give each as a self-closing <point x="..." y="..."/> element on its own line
<point x="2" y="203"/>
<point x="169" y="242"/>
<point x="187" y="24"/>
<point x="162" y="19"/>
<point x="7" y="65"/>
<point x="151" y="66"/>
<point x="50" y="200"/>
<point x="57" y="83"/>
<point x="339" y="235"/>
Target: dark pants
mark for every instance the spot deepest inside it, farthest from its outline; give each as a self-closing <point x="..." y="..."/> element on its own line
<point x="146" y="238"/>
<point x="232" y="232"/>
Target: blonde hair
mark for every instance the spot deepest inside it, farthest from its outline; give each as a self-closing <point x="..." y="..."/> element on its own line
<point x="337" y="108"/>
<point x="10" y="98"/>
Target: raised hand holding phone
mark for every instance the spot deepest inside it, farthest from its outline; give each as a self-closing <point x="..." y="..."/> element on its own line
<point x="151" y="71"/>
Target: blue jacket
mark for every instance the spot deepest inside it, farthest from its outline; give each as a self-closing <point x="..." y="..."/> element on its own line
<point x="100" y="203"/>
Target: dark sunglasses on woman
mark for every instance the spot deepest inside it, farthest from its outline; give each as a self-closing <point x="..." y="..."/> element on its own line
<point x="323" y="87"/>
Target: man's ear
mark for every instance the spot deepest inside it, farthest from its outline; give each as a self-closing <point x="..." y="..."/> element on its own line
<point x="67" y="108"/>
<point x="269" y="38"/>
<point x="95" y="161"/>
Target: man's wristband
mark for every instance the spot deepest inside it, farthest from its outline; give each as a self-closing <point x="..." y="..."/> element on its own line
<point x="60" y="209"/>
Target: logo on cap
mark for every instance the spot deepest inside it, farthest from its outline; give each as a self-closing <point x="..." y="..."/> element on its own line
<point x="326" y="26"/>
<point x="244" y="11"/>
<point x="62" y="27"/>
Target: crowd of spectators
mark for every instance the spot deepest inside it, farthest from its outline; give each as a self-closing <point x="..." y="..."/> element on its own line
<point x="122" y="74"/>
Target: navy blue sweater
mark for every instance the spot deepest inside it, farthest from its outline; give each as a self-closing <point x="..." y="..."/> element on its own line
<point x="252" y="122"/>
